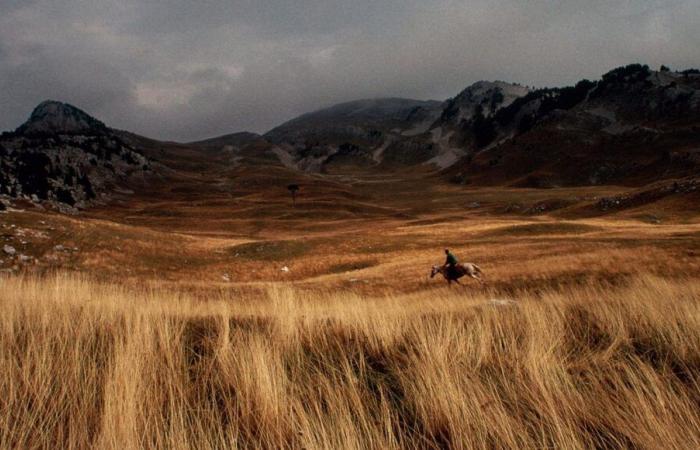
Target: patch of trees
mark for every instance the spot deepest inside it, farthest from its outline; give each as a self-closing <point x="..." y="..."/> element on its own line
<point x="128" y="157"/>
<point x="84" y="181"/>
<point x="348" y="148"/>
<point x="64" y="196"/>
<point x="549" y="99"/>
<point x="484" y="128"/>
<point x="566" y="98"/>
<point x="33" y="173"/>
<point x="630" y="74"/>
<point x="374" y="134"/>
<point x="496" y="99"/>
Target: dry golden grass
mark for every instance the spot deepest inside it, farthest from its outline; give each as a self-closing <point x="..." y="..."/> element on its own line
<point x="171" y="324"/>
<point x="87" y="364"/>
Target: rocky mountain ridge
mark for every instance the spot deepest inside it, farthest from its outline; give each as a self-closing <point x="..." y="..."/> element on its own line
<point x="64" y="158"/>
<point x="632" y="114"/>
<point x="633" y="126"/>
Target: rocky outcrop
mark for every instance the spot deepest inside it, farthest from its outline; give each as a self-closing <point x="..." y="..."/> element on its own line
<point x="63" y="156"/>
<point x="52" y="117"/>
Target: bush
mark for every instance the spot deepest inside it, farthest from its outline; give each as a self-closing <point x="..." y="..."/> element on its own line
<point x="65" y="196"/>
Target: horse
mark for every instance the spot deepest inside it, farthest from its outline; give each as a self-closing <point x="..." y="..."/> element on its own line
<point x="459" y="271"/>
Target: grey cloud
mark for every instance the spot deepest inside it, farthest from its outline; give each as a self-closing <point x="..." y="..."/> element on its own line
<point x="186" y="70"/>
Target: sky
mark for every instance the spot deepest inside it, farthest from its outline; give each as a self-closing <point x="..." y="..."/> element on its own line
<point x="185" y="70"/>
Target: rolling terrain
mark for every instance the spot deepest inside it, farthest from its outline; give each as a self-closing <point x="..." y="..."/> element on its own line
<point x="572" y="184"/>
<point x="196" y="305"/>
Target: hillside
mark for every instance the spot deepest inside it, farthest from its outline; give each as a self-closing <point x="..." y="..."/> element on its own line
<point x="64" y="158"/>
<point x="633" y="127"/>
<point x="351" y="135"/>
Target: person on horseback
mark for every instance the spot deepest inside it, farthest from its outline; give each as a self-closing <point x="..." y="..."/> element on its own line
<point x="450" y="261"/>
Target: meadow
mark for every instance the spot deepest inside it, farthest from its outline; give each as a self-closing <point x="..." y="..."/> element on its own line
<point x="87" y="364"/>
<point x="165" y="320"/>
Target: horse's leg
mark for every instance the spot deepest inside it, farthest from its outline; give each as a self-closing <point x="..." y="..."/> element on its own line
<point x="477" y="278"/>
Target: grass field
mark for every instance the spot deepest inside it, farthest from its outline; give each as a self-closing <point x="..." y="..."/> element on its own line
<point x="87" y="364"/>
<point x="165" y="320"/>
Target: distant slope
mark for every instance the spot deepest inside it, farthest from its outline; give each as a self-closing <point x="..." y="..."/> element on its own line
<point x="389" y="134"/>
<point x="351" y="119"/>
<point x="350" y="135"/>
<point x="632" y="126"/>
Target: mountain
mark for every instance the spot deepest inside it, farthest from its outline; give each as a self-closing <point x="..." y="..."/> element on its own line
<point x="52" y="117"/>
<point x="392" y="133"/>
<point x="353" y="119"/>
<point x="64" y="157"/>
<point x="633" y="126"/>
<point x="455" y="134"/>
<point x="350" y="135"/>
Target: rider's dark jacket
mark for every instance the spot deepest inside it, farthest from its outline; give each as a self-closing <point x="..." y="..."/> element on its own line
<point x="451" y="259"/>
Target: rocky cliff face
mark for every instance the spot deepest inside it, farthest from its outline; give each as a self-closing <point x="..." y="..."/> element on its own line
<point x="64" y="157"/>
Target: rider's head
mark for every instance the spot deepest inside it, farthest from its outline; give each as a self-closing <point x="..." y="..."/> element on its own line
<point x="447" y="250"/>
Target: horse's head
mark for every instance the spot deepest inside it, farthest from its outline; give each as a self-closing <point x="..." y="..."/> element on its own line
<point x="434" y="271"/>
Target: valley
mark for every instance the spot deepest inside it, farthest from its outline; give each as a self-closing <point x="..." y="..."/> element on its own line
<point x="176" y="295"/>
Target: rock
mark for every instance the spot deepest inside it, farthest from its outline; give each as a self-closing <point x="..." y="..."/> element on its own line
<point x="226" y="277"/>
<point x="59" y="248"/>
<point x="10" y="250"/>
<point x="24" y="258"/>
<point x="501" y="302"/>
<point x="475" y="205"/>
<point x="285" y="269"/>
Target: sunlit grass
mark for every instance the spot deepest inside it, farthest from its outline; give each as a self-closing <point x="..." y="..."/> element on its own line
<point x="87" y="364"/>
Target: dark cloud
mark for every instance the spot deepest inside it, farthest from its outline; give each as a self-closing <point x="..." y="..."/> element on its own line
<point x="185" y="70"/>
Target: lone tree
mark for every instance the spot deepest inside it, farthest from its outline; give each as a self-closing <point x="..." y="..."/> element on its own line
<point x="293" y="188"/>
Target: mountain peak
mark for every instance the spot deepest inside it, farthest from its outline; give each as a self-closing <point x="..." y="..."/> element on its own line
<point x="52" y="116"/>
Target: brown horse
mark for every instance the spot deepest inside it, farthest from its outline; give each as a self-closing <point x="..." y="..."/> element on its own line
<point x="458" y="272"/>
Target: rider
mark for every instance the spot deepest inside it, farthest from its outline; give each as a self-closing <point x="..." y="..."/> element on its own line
<point x="451" y="260"/>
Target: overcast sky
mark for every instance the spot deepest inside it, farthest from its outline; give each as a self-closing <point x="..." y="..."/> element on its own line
<point x="185" y="70"/>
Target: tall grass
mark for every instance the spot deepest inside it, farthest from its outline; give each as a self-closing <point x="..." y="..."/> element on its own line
<point x="89" y="365"/>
